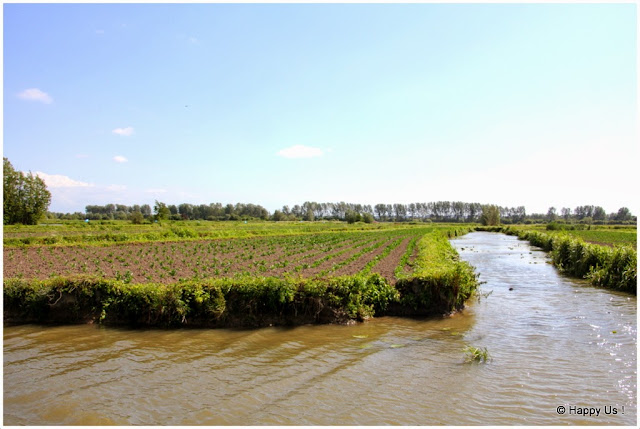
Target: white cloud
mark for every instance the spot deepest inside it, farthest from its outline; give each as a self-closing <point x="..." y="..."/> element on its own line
<point x="120" y="158"/>
<point x="300" y="151"/>
<point x="34" y="94"/>
<point x="123" y="131"/>
<point x="60" y="181"/>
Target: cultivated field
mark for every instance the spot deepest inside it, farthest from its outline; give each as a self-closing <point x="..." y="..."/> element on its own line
<point x="387" y="251"/>
<point x="179" y="251"/>
<point x="286" y="273"/>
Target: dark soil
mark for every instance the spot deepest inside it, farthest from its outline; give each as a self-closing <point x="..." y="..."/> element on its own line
<point x="386" y="267"/>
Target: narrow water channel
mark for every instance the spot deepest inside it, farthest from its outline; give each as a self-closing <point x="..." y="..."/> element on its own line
<point x="553" y="342"/>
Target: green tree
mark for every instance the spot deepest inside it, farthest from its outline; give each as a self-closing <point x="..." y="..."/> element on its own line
<point x="26" y="197"/>
<point x="352" y="216"/>
<point x="599" y="213"/>
<point x="309" y="216"/>
<point x="161" y="211"/>
<point x="490" y="215"/>
<point x="623" y="214"/>
<point x="137" y="217"/>
<point x="279" y="216"/>
<point x="367" y="217"/>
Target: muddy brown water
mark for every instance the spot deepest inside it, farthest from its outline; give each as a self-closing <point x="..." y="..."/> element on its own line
<point x="553" y="342"/>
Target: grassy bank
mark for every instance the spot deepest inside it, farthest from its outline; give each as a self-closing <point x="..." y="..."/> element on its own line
<point x="440" y="279"/>
<point x="610" y="267"/>
<point x="216" y="303"/>
<point x="248" y="302"/>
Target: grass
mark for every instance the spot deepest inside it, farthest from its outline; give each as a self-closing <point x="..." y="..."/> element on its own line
<point x="439" y="276"/>
<point x="476" y="354"/>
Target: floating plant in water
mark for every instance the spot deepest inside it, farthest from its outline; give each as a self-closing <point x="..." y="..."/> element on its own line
<point x="475" y="354"/>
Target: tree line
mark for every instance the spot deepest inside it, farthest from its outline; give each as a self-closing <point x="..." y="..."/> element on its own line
<point x="438" y="211"/>
<point x="163" y="211"/>
<point x="26" y="200"/>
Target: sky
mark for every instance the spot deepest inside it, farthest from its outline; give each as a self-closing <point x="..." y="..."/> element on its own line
<point x="529" y="105"/>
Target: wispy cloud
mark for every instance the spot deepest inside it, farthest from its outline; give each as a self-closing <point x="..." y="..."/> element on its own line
<point x="123" y="131"/>
<point x="34" y="94"/>
<point x="300" y="151"/>
<point x="120" y="159"/>
<point x="60" y="181"/>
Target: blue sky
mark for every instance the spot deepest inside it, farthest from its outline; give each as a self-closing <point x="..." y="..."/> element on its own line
<point x="274" y="104"/>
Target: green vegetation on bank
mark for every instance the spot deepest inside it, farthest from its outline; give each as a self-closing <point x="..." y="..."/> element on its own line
<point x="609" y="267"/>
<point x="238" y="302"/>
<point x="439" y="276"/>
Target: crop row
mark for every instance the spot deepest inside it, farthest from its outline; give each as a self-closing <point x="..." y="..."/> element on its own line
<point x="312" y="255"/>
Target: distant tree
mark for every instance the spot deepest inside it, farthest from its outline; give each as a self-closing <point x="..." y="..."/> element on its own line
<point x="309" y="216"/>
<point x="137" y="218"/>
<point x="297" y="211"/>
<point x="229" y="210"/>
<point x="490" y="215"/>
<point x="566" y="213"/>
<point x="26" y="197"/>
<point x="161" y="211"/>
<point x="367" y="217"/>
<point x="551" y="214"/>
<point x="599" y="213"/>
<point x="278" y="216"/>
<point x="352" y="216"/>
<point x="380" y="210"/>
<point x="401" y="212"/>
<point x="623" y="214"/>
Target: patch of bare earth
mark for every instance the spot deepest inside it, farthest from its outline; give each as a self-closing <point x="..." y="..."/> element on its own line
<point x="306" y="258"/>
<point x="387" y="266"/>
<point x="328" y="264"/>
<point x="358" y="264"/>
